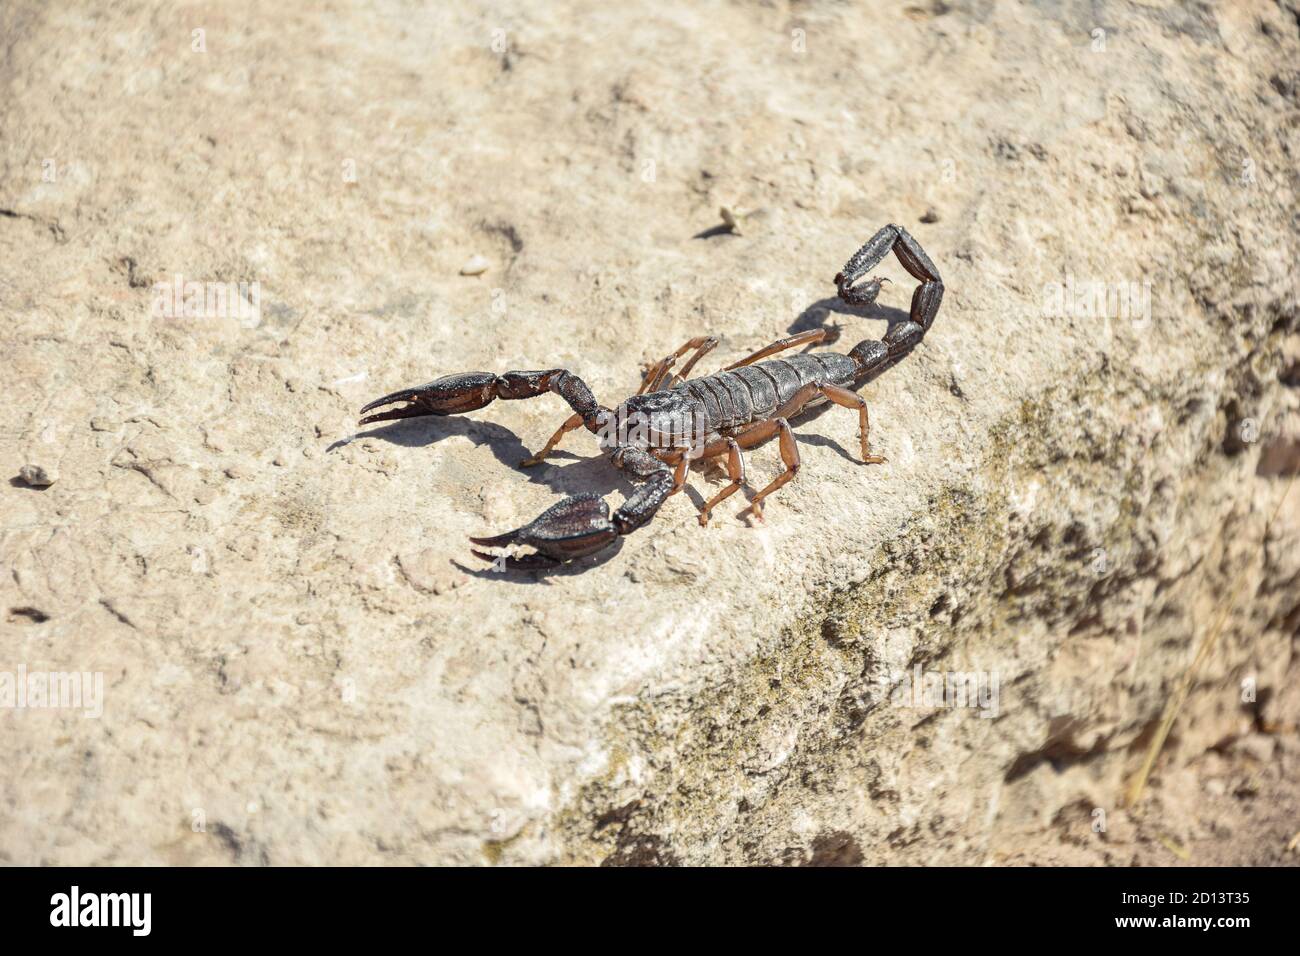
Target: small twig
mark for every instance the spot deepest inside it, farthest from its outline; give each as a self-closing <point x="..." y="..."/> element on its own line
<point x="1137" y="787"/>
<point x="1177" y="849"/>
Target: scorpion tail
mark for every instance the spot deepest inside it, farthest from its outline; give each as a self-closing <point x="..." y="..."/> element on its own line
<point x="870" y="356"/>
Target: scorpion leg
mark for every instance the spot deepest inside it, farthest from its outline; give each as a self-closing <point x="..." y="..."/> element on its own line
<point x="582" y="525"/>
<point x="736" y="472"/>
<point x="847" y="399"/>
<point x="683" y="465"/>
<point x="780" y="345"/>
<point x="574" y="421"/>
<point x="840" y="396"/>
<point x="655" y="374"/>
<point x="789" y="455"/>
<point x="762" y="431"/>
<point x="709" y="344"/>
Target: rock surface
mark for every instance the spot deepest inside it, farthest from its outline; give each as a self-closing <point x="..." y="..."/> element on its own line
<point x="296" y="667"/>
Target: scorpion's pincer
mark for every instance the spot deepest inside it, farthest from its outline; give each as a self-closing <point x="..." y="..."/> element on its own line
<point x="449" y="395"/>
<point x="574" y="528"/>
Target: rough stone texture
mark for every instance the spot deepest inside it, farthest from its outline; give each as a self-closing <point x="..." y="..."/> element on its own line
<point x="297" y="672"/>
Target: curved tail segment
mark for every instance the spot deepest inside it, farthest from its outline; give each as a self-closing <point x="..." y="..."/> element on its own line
<point x="871" y="355"/>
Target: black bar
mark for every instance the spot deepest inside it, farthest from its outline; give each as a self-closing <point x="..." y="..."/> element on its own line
<point x="333" y="906"/>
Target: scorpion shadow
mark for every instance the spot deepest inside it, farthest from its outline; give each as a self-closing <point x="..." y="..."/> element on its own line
<point x="422" y="432"/>
<point x="578" y="474"/>
<point x="817" y="315"/>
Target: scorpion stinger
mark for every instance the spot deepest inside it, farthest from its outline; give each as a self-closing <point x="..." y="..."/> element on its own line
<point x="674" y="419"/>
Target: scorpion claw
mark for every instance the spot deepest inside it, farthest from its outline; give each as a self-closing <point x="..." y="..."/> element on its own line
<point x="449" y="395"/>
<point x="498" y="540"/>
<point x="574" y="528"/>
<point x="512" y="562"/>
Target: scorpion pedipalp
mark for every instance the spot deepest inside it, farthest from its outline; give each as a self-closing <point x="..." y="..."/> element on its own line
<point x="573" y="528"/>
<point x="449" y="395"/>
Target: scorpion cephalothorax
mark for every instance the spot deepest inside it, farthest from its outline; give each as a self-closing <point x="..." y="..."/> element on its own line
<point x="674" y="419"/>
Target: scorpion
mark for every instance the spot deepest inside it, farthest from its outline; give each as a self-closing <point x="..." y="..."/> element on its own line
<point x="677" y="419"/>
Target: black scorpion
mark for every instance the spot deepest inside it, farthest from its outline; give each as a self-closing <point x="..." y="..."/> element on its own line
<point x="674" y="420"/>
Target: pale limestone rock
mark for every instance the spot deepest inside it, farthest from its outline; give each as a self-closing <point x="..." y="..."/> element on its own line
<point x="295" y="655"/>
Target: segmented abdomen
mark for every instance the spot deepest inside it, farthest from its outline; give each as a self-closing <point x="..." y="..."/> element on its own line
<point x="754" y="392"/>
